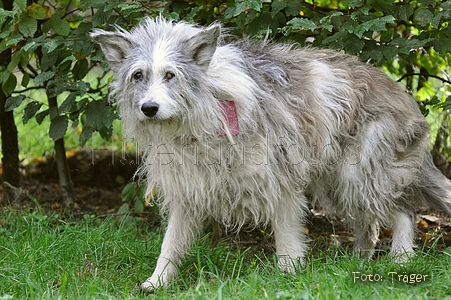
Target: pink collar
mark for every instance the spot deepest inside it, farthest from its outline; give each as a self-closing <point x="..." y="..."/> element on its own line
<point x="231" y="117"/>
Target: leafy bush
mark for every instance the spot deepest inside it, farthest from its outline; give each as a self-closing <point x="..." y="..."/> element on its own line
<point x="51" y="49"/>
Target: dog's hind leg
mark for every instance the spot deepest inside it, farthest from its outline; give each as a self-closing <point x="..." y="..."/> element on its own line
<point x="181" y="230"/>
<point x="403" y="234"/>
<point x="435" y="187"/>
<point x="290" y="237"/>
<point x="365" y="238"/>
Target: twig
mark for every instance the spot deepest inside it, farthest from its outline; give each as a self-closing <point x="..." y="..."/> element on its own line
<point x="29" y="89"/>
<point x="123" y="214"/>
<point x="424" y="74"/>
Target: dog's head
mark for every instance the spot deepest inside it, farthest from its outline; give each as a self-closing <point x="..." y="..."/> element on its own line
<point x="158" y="66"/>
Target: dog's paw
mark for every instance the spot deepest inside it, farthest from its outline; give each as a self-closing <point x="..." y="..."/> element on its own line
<point x="289" y="265"/>
<point x="153" y="283"/>
<point x="402" y="256"/>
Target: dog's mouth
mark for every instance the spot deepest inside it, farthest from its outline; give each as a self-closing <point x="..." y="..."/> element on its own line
<point x="159" y="120"/>
<point x="168" y="121"/>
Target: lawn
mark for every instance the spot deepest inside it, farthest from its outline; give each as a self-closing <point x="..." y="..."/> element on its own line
<point x="51" y="257"/>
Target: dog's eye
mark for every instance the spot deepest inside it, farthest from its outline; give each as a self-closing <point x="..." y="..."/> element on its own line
<point x="138" y="76"/>
<point x="169" y="76"/>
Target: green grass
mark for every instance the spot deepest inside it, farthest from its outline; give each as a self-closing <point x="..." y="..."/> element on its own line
<point x="46" y="257"/>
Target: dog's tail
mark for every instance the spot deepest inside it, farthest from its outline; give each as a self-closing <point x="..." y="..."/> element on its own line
<point x="435" y="187"/>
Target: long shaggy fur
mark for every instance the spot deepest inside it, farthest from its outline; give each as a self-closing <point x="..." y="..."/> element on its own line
<point x="310" y="122"/>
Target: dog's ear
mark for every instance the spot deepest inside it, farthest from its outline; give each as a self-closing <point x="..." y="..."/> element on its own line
<point x="202" y="46"/>
<point x="115" y="46"/>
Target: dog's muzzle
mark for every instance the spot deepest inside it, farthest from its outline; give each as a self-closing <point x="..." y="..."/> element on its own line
<point x="150" y="109"/>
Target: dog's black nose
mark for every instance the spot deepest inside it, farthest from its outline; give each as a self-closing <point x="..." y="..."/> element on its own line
<point x="150" y="109"/>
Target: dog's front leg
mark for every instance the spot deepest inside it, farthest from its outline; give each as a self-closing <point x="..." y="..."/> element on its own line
<point x="181" y="230"/>
<point x="290" y="238"/>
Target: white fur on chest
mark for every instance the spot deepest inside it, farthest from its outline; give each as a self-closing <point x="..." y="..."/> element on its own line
<point x="236" y="184"/>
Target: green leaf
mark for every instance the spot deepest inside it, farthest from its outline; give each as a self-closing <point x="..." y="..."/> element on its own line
<point x="390" y="52"/>
<point x="24" y="58"/>
<point x="302" y="23"/>
<point x="68" y="59"/>
<point x="41" y="116"/>
<point x="436" y="21"/>
<point x="293" y="7"/>
<point x="5" y="14"/>
<point x="100" y="17"/>
<point x="264" y="21"/>
<point x="80" y="69"/>
<point x="376" y="55"/>
<point x="36" y="11"/>
<point x="129" y="192"/>
<point x="43" y="77"/>
<point x="50" y="45"/>
<point x="61" y="27"/>
<point x="374" y="25"/>
<point x="95" y="113"/>
<point x="9" y="85"/>
<point x="405" y="12"/>
<point x="193" y="13"/>
<point x="337" y="36"/>
<point x="30" y="47"/>
<point x="58" y="14"/>
<point x="109" y="117"/>
<point x="138" y="205"/>
<point x="14" y="40"/>
<point x="48" y="60"/>
<point x="278" y="5"/>
<point x="28" y="26"/>
<point x="69" y="103"/>
<point x="406" y="46"/>
<point x="423" y="17"/>
<point x="386" y="36"/>
<point x="4" y="75"/>
<point x="239" y="8"/>
<point x="142" y="191"/>
<point x="25" y="80"/>
<point x="123" y="209"/>
<point x="255" y="4"/>
<point x="20" y="5"/>
<point x="328" y="21"/>
<point x="53" y="112"/>
<point x="13" y="102"/>
<point x="353" y="45"/>
<point x="106" y="133"/>
<point x="442" y="43"/>
<point x="15" y="59"/>
<point x="58" y="127"/>
<point x="353" y="3"/>
<point x="81" y="87"/>
<point x="85" y="135"/>
<point x="3" y="46"/>
<point x="30" y="110"/>
<point x="427" y="3"/>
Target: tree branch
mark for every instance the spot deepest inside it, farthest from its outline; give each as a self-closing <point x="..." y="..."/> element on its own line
<point x="424" y="74"/>
<point x="29" y="89"/>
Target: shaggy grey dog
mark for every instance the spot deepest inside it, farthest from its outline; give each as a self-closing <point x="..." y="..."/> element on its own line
<point x="240" y="132"/>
